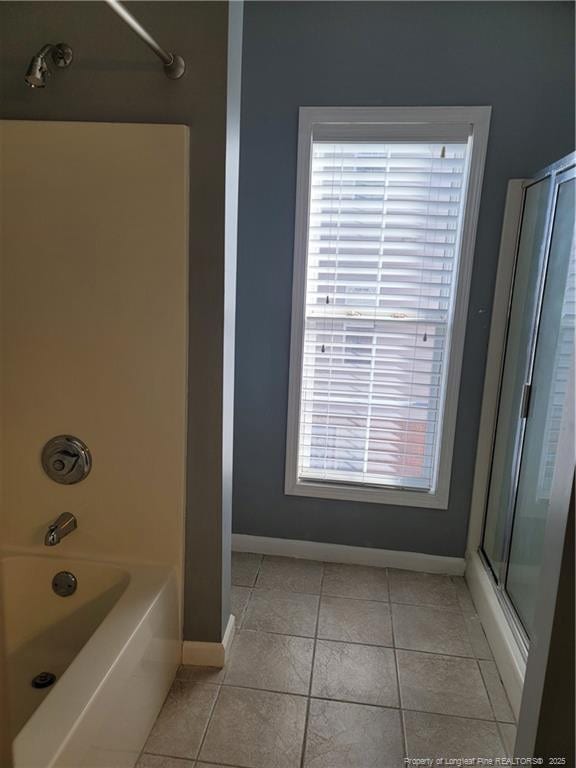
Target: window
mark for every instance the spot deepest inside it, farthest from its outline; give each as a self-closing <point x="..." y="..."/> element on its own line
<point x="387" y="202"/>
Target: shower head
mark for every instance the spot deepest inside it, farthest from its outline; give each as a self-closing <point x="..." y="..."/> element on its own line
<point x="38" y="70"/>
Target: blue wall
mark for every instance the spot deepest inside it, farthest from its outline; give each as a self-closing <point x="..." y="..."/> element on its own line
<point x="517" y="57"/>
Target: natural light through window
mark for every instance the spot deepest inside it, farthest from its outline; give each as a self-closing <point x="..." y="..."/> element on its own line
<point x="383" y="243"/>
<point x="383" y="235"/>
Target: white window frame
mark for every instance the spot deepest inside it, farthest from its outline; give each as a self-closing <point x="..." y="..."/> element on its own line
<point x="382" y="124"/>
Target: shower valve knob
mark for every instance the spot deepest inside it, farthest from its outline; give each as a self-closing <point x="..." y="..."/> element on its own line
<point x="66" y="459"/>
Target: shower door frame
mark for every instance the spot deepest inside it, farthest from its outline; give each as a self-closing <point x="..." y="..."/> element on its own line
<point x="498" y="580"/>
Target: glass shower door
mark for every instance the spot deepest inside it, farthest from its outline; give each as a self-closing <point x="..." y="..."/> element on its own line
<point x="522" y="322"/>
<point x="552" y="384"/>
<point x="536" y="384"/>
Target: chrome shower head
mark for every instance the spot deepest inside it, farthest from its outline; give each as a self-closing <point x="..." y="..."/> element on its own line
<point x="38" y="70"/>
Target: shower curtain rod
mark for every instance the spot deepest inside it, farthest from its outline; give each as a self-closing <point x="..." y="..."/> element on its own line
<point x="174" y="65"/>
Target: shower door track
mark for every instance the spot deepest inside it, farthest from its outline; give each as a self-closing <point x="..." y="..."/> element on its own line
<point x="508" y="609"/>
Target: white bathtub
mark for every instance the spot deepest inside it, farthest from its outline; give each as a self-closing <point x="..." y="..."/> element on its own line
<point x="114" y="646"/>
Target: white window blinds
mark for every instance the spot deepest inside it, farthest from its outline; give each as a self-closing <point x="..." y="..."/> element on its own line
<point x="384" y="228"/>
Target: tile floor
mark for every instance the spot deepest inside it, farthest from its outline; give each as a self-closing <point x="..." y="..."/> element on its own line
<point x="338" y="666"/>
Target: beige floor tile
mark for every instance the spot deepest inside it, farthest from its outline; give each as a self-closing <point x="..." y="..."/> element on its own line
<point x="361" y="673"/>
<point x="352" y="736"/>
<point x="437" y="630"/>
<point x="258" y="729"/>
<point x="209" y="765"/>
<point x="464" y="596"/>
<point x="291" y="574"/>
<point x="496" y="693"/>
<point x="442" y="684"/>
<point x="245" y="566"/>
<point x="422" y="588"/>
<point x="289" y="613"/>
<point x="355" y="581"/>
<point x="438" y="736"/>
<point x="158" y="761"/>
<point x="239" y="597"/>
<point x="194" y="674"/>
<point x="355" y="621"/>
<point x="508" y="736"/>
<point x="272" y="662"/>
<point x="182" y="721"/>
<point x="477" y="637"/>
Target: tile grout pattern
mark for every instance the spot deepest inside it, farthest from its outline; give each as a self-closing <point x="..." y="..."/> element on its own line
<point x="402" y="723"/>
<point x="302" y="691"/>
<point x="305" y="732"/>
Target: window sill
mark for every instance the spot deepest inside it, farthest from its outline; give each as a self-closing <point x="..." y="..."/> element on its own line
<point x="369" y="494"/>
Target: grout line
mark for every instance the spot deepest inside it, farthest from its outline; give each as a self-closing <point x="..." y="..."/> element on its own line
<point x="352" y="597"/>
<point x="353" y="703"/>
<point x="308" y="700"/>
<point x="356" y="642"/>
<point x="191" y="760"/>
<point x="208" y="721"/>
<point x="433" y="606"/>
<point x="143" y="750"/>
<point x="488" y="692"/>
<point x="438" y="653"/>
<point x="404" y="732"/>
<point x="458" y="608"/>
<point x="503" y="740"/>
<point x="365" y="704"/>
<point x="245" y="611"/>
<point x="410" y="709"/>
<point x="219" y="765"/>
<point x="403" y="729"/>
<point x="446" y="714"/>
<point x="258" y="569"/>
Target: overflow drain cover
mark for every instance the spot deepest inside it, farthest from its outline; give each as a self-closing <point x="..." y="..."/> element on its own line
<point x="64" y="583"/>
<point x="44" y="680"/>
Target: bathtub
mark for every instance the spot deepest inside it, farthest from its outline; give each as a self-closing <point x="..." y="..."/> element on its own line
<point x="114" y="646"/>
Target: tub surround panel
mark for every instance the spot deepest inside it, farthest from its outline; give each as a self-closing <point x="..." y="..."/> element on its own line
<point x="95" y="332"/>
<point x="115" y="78"/>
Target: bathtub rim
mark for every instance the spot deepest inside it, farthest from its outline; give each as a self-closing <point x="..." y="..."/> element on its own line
<point x="58" y="715"/>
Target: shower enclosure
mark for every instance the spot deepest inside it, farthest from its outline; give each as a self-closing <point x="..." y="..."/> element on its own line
<point x="537" y="383"/>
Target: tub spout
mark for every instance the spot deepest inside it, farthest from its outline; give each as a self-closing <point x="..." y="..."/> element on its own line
<point x="60" y="528"/>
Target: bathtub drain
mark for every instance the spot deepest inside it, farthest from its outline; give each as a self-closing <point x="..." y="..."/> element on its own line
<point x="44" y="680"/>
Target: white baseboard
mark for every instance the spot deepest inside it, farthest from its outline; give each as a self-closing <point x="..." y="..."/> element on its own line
<point x="507" y="654"/>
<point x="340" y="553"/>
<point x="209" y="654"/>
